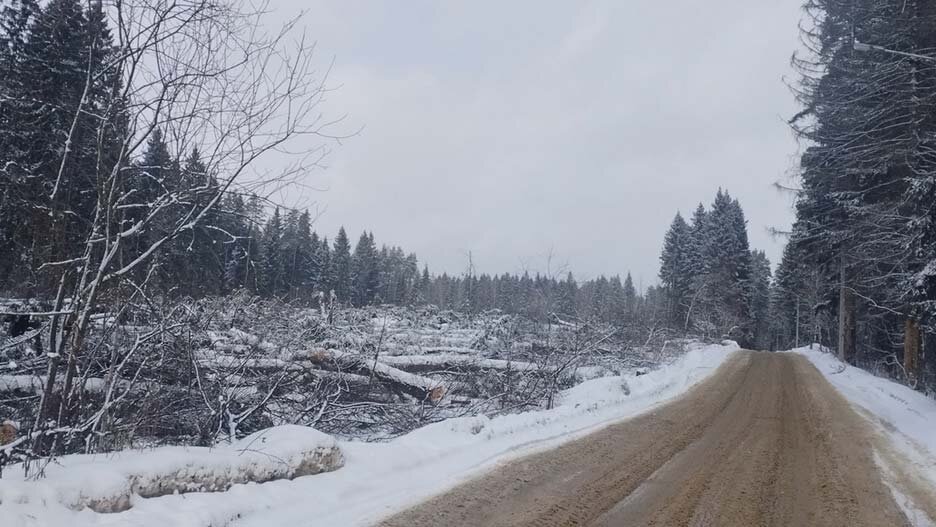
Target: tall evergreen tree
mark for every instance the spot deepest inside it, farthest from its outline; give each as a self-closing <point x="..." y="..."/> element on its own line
<point x="617" y="302"/>
<point x="194" y="260"/>
<point x="235" y="253"/>
<point x="695" y="260"/>
<point x="725" y="301"/>
<point x="151" y="179"/>
<point x="364" y="271"/>
<point x="697" y="239"/>
<point x="675" y="272"/>
<point x="326" y="277"/>
<point x="425" y="286"/>
<point x="800" y="305"/>
<point x="303" y="273"/>
<point x="760" y="300"/>
<point x="568" y="291"/>
<point x="272" y="269"/>
<point x="630" y="298"/>
<point x="57" y="95"/>
<point x="341" y="266"/>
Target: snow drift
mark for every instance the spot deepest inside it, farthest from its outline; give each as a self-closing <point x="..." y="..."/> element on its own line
<point x="109" y="483"/>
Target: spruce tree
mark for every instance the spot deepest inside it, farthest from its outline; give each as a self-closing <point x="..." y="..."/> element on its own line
<point x="425" y="285"/>
<point x="695" y="259"/>
<point x="194" y="260"/>
<point x="235" y="252"/>
<point x="364" y="271"/>
<point x="302" y="274"/>
<point x="568" y="290"/>
<point x="412" y="292"/>
<point x="16" y="191"/>
<point x="675" y="273"/>
<point x="617" y="302"/>
<point x="725" y="301"/>
<point x="325" y="283"/>
<point x="630" y="298"/>
<point x="272" y="268"/>
<point x="341" y="266"/>
<point x="253" y="244"/>
<point x="151" y="179"/>
<point x="760" y="300"/>
<point x="51" y="152"/>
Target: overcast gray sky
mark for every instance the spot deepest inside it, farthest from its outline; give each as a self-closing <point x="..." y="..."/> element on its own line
<point x="512" y="129"/>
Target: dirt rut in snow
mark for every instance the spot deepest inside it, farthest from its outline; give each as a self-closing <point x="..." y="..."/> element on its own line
<point x="764" y="441"/>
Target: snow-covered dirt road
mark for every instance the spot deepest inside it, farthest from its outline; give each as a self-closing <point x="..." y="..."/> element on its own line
<point x="766" y="440"/>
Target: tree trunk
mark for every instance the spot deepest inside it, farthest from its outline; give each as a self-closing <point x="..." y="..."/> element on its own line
<point x="913" y="343"/>
<point x="846" y="337"/>
<point x="423" y="388"/>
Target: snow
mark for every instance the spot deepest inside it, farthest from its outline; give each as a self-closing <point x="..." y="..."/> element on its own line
<point x="904" y="416"/>
<point x="377" y="478"/>
<point x="120" y="479"/>
<point x="927" y="272"/>
<point x="917" y="517"/>
<point x="29" y="383"/>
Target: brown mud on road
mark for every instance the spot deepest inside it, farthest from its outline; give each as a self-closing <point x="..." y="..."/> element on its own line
<point x="764" y="441"/>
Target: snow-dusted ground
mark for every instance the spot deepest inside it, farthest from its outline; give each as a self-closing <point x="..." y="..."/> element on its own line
<point x="112" y="482"/>
<point x="904" y="416"/>
<point x="381" y="478"/>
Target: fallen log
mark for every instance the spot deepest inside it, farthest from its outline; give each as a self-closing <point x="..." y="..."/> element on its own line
<point x="36" y="383"/>
<point x="215" y="361"/>
<point x="423" y="388"/>
<point x="456" y="361"/>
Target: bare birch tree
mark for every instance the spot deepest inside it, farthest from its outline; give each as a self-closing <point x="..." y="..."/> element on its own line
<point x="206" y="75"/>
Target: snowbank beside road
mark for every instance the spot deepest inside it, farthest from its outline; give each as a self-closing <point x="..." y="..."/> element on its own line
<point x="898" y="407"/>
<point x="109" y="483"/>
<point x="906" y="417"/>
<point x="381" y="478"/>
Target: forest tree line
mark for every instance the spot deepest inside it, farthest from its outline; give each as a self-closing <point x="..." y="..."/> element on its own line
<point x="50" y="196"/>
<point x="859" y="272"/>
<point x="73" y="169"/>
<point x="243" y="246"/>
